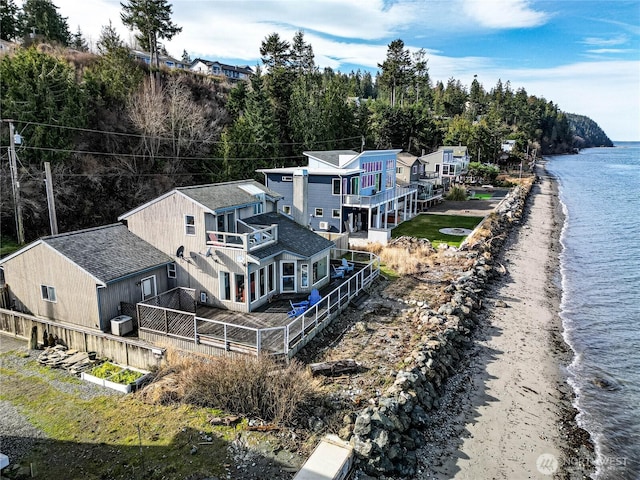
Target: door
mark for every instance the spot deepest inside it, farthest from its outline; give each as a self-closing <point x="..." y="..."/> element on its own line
<point x="148" y="286"/>
<point x="288" y="276"/>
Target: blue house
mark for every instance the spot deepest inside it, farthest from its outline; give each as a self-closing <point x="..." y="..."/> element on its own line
<point x="343" y="191"/>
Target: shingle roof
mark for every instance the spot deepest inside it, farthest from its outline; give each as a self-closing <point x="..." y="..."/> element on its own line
<point x="406" y="159"/>
<point x="219" y="196"/>
<point x="109" y="252"/>
<point x="330" y="156"/>
<point x="292" y="237"/>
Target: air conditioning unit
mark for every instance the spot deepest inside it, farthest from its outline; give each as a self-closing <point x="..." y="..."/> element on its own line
<point x="121" y="325"/>
<point x="203" y="297"/>
<point x="324" y="225"/>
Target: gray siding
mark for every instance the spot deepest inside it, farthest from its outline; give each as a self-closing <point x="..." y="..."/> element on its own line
<point x="320" y="195"/>
<point x="274" y="182"/>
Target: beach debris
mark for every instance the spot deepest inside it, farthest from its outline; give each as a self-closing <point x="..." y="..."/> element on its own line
<point x="335" y="367"/>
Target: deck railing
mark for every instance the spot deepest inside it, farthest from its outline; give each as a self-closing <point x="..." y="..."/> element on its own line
<point x="248" y="242"/>
<point x="284" y="340"/>
<point x="378" y="198"/>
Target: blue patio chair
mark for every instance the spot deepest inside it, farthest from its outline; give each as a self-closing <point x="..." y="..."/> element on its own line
<point x="298" y="308"/>
<point x="337" y="272"/>
<point x="347" y="266"/>
<point x="314" y="298"/>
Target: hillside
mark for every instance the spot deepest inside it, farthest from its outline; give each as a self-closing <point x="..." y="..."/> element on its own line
<point x="587" y="133"/>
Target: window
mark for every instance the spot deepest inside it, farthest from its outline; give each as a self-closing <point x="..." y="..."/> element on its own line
<point x="189" y="224"/>
<point x="48" y="293"/>
<point x="225" y="285"/>
<point x="304" y="275"/>
<point x="263" y="286"/>
<point x="286" y="209"/>
<point x="258" y="208"/>
<point x="319" y="269"/>
<point x="399" y="170"/>
<point x="239" y="288"/>
<point x="271" y="278"/>
<point x="252" y="286"/>
<point x="148" y="286"/>
<point x="319" y="212"/>
<point x="335" y="213"/>
<point x="171" y="270"/>
<point x="288" y="276"/>
<point x="287" y="178"/>
<point x="414" y="169"/>
<point x="335" y="186"/>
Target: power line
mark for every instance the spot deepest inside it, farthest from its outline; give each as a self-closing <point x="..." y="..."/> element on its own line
<point x="158" y="157"/>
<point x="172" y="139"/>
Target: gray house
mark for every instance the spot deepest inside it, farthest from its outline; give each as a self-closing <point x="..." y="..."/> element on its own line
<point x="82" y="277"/>
<point x="230" y="244"/>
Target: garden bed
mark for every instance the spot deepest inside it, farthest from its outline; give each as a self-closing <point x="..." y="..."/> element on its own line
<point x="116" y="377"/>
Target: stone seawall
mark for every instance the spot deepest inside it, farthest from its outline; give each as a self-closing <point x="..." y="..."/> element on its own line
<point x="386" y="433"/>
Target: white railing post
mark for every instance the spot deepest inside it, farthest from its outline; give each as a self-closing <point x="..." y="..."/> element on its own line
<point x="225" y="336"/>
<point x="258" y="341"/>
<point x="195" y="329"/>
<point x="286" y="340"/>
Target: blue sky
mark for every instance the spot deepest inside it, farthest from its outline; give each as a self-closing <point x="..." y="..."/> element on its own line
<point x="583" y="55"/>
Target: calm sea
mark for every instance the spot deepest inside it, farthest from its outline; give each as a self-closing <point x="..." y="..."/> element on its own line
<point x="600" y="192"/>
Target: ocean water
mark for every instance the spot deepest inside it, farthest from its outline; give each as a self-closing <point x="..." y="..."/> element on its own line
<point x="600" y="310"/>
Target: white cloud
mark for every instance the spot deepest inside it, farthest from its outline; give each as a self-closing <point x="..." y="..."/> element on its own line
<point x="504" y="14"/>
<point x="610" y="50"/>
<point x="606" y="42"/>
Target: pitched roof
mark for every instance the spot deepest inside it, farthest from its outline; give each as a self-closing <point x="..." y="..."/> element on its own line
<point x="292" y="237"/>
<point x="406" y="159"/>
<point x="219" y="196"/>
<point x="109" y="252"/>
<point x="330" y="156"/>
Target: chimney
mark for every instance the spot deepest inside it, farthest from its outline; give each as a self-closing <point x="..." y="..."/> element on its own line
<point x="300" y="209"/>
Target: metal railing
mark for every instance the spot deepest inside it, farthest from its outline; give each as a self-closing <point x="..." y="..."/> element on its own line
<point x="280" y="340"/>
<point x="378" y="198"/>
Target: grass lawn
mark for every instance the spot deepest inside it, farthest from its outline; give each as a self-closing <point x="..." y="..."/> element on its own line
<point x="482" y="196"/>
<point x="112" y="436"/>
<point x="428" y="226"/>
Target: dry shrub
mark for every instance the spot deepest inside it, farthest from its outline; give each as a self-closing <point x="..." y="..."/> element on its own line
<point x="248" y="386"/>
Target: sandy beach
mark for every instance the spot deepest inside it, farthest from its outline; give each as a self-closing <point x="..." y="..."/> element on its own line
<point x="508" y="413"/>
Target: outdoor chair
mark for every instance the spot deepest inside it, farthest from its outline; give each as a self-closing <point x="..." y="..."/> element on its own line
<point x="337" y="272"/>
<point x="348" y="267"/>
<point x="298" y="308"/>
<point x="314" y="298"/>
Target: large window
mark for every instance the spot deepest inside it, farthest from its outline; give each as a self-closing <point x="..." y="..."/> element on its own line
<point x="271" y="277"/>
<point x="252" y="286"/>
<point x="189" y="224"/>
<point x="319" y="269"/>
<point x="48" y="293"/>
<point x="262" y="281"/>
<point x="304" y="276"/>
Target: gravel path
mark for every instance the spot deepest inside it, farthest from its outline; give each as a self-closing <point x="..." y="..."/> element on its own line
<point x="17" y="435"/>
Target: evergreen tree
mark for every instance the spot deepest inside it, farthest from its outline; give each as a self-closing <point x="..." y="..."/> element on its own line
<point x="186" y="58"/>
<point x="78" y="42"/>
<point x="275" y="52"/>
<point x="9" y="22"/>
<point x="152" y="19"/>
<point x="301" y="55"/>
<point x="395" y="69"/>
<point x="41" y="19"/>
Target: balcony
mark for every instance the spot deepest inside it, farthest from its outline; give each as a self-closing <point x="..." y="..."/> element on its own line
<point x="248" y="242"/>
<point x="378" y="198"/>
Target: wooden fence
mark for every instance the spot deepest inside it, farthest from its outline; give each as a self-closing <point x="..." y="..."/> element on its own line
<point x="133" y="352"/>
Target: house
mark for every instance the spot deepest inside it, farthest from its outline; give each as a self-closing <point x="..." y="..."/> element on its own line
<point x="450" y="163"/>
<point x="408" y="169"/>
<point x="231" y="72"/>
<point x="165" y="60"/>
<point x="343" y="191"/>
<point x="231" y="245"/>
<point x="82" y="277"/>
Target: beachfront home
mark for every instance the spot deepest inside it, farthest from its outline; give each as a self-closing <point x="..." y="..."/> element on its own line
<point x="342" y="191"/>
<point x="231" y="245"/>
<point x="83" y="277"/>
<point x="449" y="163"/>
<point x="165" y="60"/>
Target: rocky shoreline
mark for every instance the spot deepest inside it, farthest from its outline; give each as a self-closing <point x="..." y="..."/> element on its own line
<point x="414" y="428"/>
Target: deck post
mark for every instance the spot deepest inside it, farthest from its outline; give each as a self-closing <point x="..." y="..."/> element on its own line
<point x="258" y="341"/>
<point x="166" y="322"/>
<point x="286" y="340"/>
<point x="195" y="330"/>
<point x="226" y="343"/>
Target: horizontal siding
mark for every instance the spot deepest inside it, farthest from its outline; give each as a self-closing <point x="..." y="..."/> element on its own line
<point x="76" y="296"/>
<point x="320" y="195"/>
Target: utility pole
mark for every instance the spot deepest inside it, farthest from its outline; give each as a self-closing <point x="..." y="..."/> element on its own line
<point x="15" y="184"/>
<point x="53" y="220"/>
